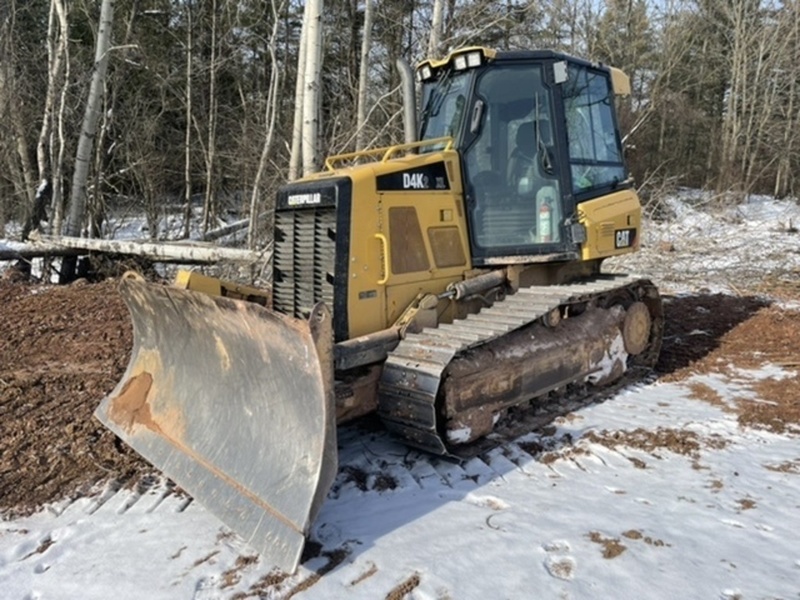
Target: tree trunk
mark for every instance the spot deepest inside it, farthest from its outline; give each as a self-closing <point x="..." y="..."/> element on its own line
<point x="56" y="47"/>
<point x="57" y="201"/>
<point x="435" y="40"/>
<point x="366" y="44"/>
<point x="296" y="158"/>
<point x="209" y="201"/>
<point x="97" y="207"/>
<point x="164" y="252"/>
<point x="187" y="142"/>
<point x="271" y="112"/>
<point x="311" y="92"/>
<point x="86" y="141"/>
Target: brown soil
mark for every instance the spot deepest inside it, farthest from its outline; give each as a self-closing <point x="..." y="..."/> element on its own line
<point x="63" y="348"/>
<point x="725" y="335"/>
<point x="612" y="547"/>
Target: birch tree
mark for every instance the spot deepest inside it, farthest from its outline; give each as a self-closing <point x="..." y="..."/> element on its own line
<point x="57" y="36"/>
<point x="363" y="71"/>
<point x="187" y="143"/>
<point x="311" y="86"/>
<point x="90" y="118"/>
<point x="435" y="39"/>
<point x="271" y="113"/>
<point x="57" y="141"/>
<point x="296" y="158"/>
<point x="211" y="129"/>
<point x="86" y="140"/>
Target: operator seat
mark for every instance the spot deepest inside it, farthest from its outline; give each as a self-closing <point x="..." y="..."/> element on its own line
<point x="523" y="158"/>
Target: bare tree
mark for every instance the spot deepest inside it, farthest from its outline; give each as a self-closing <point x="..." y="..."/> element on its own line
<point x="211" y="128"/>
<point x="271" y="112"/>
<point x="86" y="140"/>
<point x="19" y="163"/>
<point x="90" y="119"/>
<point x="58" y="137"/>
<point x="187" y="145"/>
<point x="363" y="70"/>
<point x="757" y="85"/>
<point x="435" y="39"/>
<point x="296" y="158"/>
<point x="788" y="110"/>
<point x="312" y="84"/>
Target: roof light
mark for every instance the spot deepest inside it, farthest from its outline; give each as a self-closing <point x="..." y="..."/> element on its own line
<point x="425" y="71"/>
<point x="474" y="59"/>
<point x="460" y="62"/>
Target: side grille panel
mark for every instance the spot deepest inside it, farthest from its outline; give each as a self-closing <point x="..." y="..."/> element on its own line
<point x="304" y="260"/>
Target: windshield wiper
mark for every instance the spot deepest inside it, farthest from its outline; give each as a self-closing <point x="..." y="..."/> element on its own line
<point x="435" y="100"/>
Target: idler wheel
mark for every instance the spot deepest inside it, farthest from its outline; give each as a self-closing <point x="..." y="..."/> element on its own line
<point x="636" y="328"/>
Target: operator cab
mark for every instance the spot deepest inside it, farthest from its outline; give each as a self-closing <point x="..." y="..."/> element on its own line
<point x="537" y="134"/>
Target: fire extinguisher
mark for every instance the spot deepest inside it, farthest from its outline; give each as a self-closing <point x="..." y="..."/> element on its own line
<point x="545" y="225"/>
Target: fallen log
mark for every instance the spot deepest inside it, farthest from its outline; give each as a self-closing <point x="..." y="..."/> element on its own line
<point x="215" y="234"/>
<point x="29" y="251"/>
<point x="188" y="253"/>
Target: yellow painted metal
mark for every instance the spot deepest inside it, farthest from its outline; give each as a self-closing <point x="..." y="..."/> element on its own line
<point x="197" y="282"/>
<point x="603" y="217"/>
<point x="431" y="208"/>
<point x="386" y="261"/>
<point x="488" y="54"/>
<point x="376" y="295"/>
<point x="620" y="82"/>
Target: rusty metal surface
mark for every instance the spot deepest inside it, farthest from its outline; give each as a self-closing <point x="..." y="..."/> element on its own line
<point x="235" y="404"/>
<point x="500" y="366"/>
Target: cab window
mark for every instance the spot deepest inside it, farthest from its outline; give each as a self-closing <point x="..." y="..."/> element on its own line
<point x="595" y="151"/>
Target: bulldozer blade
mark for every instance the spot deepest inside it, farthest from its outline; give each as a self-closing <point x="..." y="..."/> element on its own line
<point x="234" y="402"/>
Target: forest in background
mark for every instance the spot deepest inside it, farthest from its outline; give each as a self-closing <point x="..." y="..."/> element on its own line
<point x="197" y="106"/>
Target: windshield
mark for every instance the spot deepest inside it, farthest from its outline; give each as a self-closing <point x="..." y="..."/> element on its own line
<point x="443" y="106"/>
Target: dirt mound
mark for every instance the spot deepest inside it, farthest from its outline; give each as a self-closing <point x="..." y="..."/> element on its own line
<point x="718" y="338"/>
<point x="61" y="350"/>
<point x="695" y="326"/>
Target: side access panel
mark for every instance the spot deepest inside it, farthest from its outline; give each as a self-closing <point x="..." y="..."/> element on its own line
<point x="235" y="403"/>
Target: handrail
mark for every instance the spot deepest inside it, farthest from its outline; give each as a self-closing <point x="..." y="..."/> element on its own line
<point x="385" y="243"/>
<point x="387" y="152"/>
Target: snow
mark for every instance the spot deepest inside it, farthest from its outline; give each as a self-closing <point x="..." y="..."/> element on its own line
<point x="696" y="244"/>
<point x="596" y="521"/>
<point x="722" y="524"/>
<point x="459" y="435"/>
<point x="615" y="357"/>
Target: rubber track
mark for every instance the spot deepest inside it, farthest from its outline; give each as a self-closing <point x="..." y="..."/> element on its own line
<point x="414" y="369"/>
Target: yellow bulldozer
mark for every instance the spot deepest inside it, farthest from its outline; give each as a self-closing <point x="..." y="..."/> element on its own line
<point x="444" y="283"/>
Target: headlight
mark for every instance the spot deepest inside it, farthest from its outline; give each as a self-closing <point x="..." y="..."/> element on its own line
<point x="460" y="62"/>
<point x="424" y="73"/>
<point x="474" y="59"/>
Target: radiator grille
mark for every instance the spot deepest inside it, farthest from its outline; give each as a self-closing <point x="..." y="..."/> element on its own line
<point x="304" y="260"/>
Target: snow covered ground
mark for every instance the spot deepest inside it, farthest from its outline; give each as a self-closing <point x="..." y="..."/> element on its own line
<point x="656" y="493"/>
<point x="695" y="244"/>
<point x="596" y="522"/>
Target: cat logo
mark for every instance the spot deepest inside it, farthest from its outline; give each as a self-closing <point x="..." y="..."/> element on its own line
<point x="417" y="181"/>
<point x="624" y="238"/>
